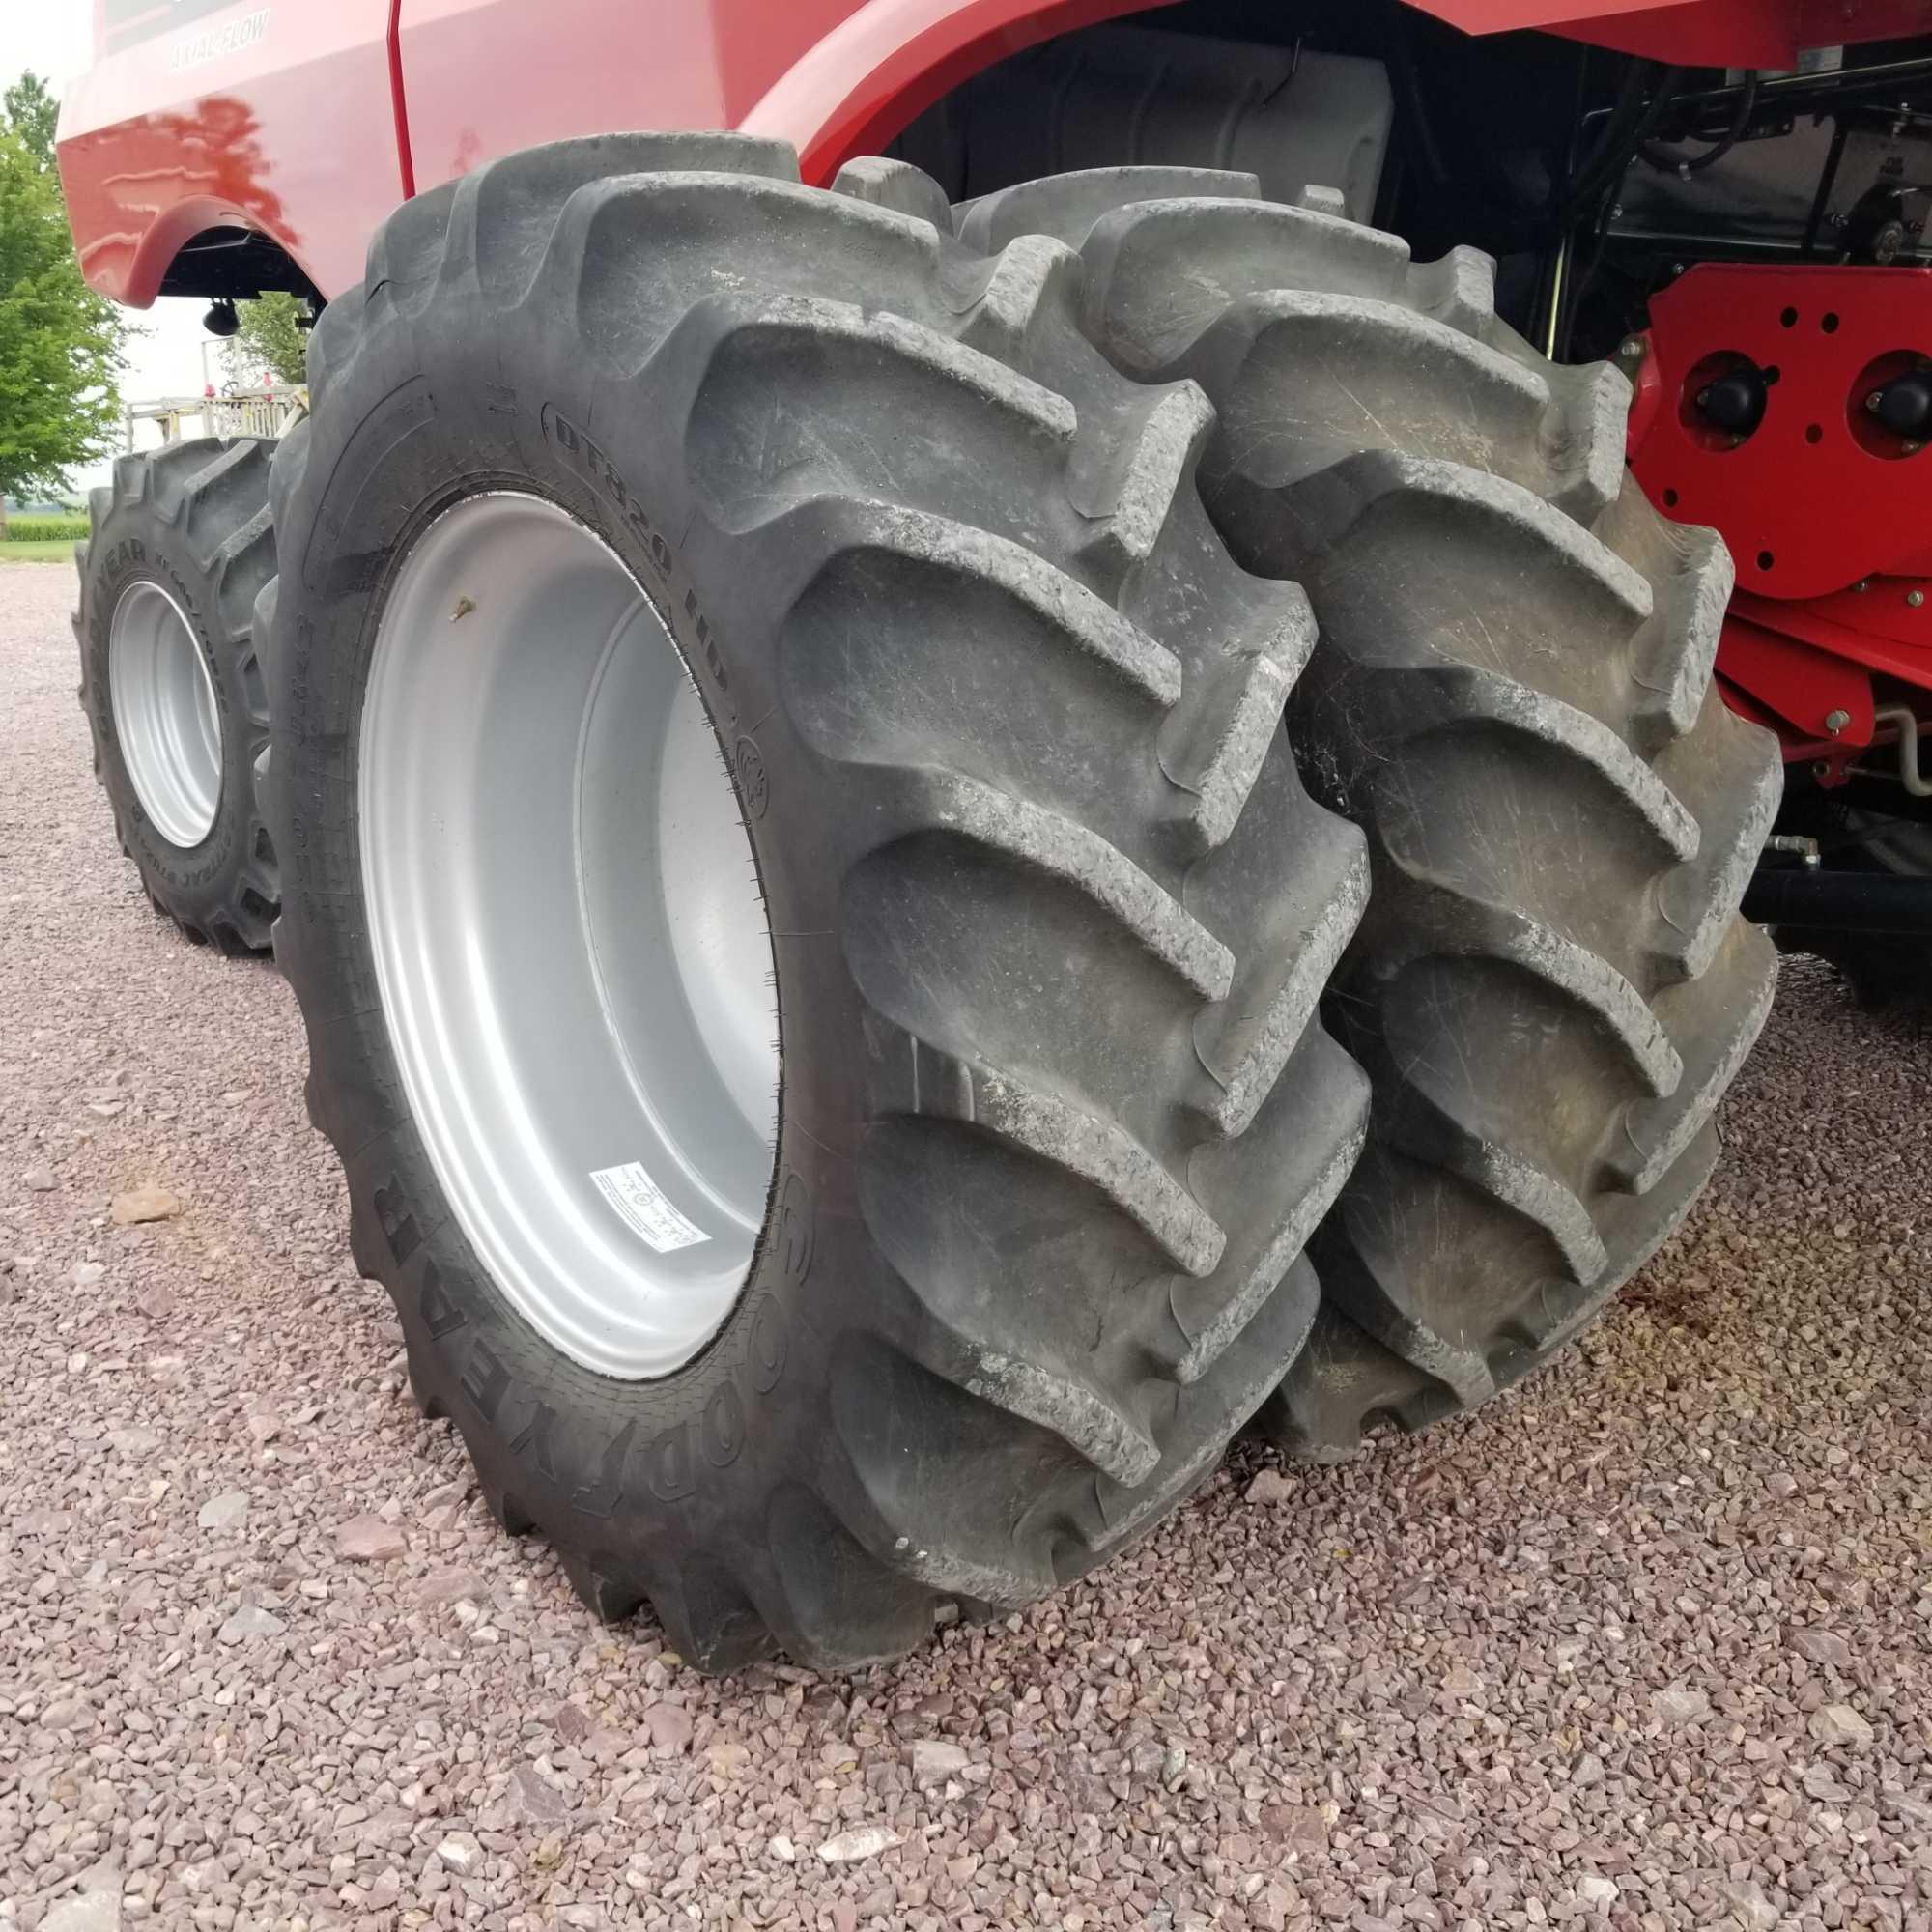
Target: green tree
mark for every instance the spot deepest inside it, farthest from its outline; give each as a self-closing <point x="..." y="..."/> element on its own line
<point x="30" y="109"/>
<point x="60" y="343"/>
<point x="270" y="338"/>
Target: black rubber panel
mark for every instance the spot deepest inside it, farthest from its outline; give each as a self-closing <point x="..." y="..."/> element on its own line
<point x="1052" y="910"/>
<point x="193" y="518"/>
<point x="1512" y="694"/>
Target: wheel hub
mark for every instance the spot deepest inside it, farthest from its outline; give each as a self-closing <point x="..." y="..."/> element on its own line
<point x="165" y="714"/>
<point x="569" y="936"/>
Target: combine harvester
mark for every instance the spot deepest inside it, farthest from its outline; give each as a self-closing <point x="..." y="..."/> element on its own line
<point x="1009" y="766"/>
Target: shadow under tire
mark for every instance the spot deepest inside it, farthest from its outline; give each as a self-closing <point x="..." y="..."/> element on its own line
<point x="171" y="681"/>
<point x="1881" y="970"/>
<point x="1512" y="694"/>
<point x="1048" y="910"/>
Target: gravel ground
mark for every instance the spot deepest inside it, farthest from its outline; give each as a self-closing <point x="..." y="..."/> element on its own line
<point x="1645" y="1645"/>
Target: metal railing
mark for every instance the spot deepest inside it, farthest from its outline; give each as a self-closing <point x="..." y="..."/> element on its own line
<point x="261" y="413"/>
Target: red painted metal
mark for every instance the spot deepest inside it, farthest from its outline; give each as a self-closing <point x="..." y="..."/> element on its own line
<point x="398" y="105"/>
<point x="1746" y="705"/>
<point x="665" y="64"/>
<point x="1801" y="662"/>
<point x="1806" y="660"/>
<point x="891" y="58"/>
<point x="1733" y="33"/>
<point x="1790" y="668"/>
<point x="1815" y="499"/>
<point x="1876" y="622"/>
<point x="309" y="122"/>
<point x="1828" y="518"/>
<point x="1798" y="688"/>
<point x="277" y="119"/>
<point x="305" y="122"/>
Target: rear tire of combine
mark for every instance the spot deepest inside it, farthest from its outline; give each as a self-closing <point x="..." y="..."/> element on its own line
<point x="806" y="922"/>
<point x="1512" y="694"/>
<point x="171" y="684"/>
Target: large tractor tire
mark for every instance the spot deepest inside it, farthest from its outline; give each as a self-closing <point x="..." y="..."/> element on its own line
<point x="170" y="680"/>
<point x="1512" y="694"/>
<point x="806" y="922"/>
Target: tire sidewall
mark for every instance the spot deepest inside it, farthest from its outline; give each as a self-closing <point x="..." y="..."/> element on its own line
<point x="134" y="546"/>
<point x="419" y="420"/>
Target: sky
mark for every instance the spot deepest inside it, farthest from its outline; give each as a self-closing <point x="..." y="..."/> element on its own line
<point x="54" y="38"/>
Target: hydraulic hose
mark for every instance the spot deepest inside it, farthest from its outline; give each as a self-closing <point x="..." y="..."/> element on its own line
<point x="1661" y="157"/>
<point x="1631" y="123"/>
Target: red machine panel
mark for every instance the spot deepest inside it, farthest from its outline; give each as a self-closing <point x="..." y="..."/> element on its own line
<point x="1817" y="496"/>
<point x="199" y="116"/>
<point x="307" y="122"/>
<point x="1695" y="33"/>
<point x="1827" y="509"/>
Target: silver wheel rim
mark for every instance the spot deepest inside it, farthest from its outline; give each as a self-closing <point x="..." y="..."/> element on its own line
<point x="570" y="940"/>
<point x="165" y="715"/>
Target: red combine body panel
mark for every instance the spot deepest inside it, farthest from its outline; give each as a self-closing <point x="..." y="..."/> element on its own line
<point x="196" y="118"/>
<point x="308" y="125"/>
<point x="415" y="98"/>
<point x="1695" y="33"/>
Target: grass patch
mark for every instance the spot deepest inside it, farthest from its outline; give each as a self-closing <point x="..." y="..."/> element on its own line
<point x="50" y="550"/>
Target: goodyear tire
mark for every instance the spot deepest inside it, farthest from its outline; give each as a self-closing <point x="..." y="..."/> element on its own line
<point x="171" y="683"/>
<point x="1048" y="910"/>
<point x="1512" y="694"/>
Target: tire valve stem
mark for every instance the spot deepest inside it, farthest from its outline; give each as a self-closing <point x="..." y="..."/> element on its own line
<point x="463" y="606"/>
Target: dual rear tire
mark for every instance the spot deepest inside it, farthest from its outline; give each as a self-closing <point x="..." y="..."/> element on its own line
<point x="918" y="1232"/>
<point x="1512" y="694"/>
<point x="171" y="680"/>
<point x="839" y="1012"/>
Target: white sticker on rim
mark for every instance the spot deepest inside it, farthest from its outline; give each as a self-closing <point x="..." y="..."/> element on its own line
<point x="643" y="1204"/>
